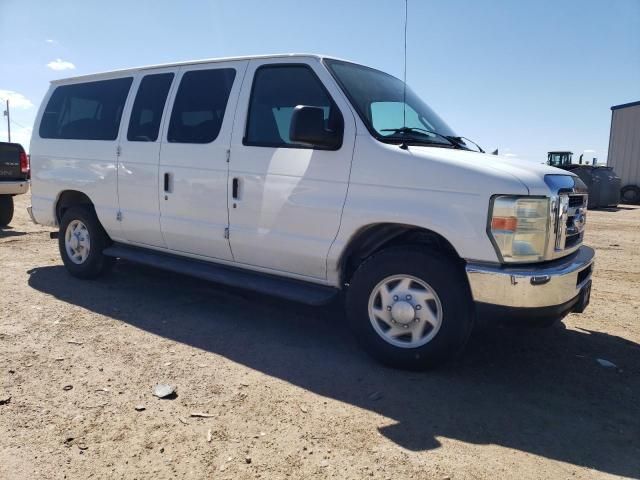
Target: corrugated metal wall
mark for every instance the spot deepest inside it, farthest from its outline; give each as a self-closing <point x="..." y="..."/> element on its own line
<point x="624" y="144"/>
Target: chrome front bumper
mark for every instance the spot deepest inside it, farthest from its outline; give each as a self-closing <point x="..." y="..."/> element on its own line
<point x="531" y="286"/>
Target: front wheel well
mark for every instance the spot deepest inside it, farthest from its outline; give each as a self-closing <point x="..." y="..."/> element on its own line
<point x="68" y="199"/>
<point x="374" y="238"/>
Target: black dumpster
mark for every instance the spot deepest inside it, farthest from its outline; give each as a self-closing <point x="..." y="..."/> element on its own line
<point x="603" y="183"/>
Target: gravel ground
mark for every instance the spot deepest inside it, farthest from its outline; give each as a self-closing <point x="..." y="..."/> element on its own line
<point x="286" y="391"/>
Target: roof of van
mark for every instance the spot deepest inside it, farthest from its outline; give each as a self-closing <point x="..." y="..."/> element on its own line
<point x="195" y="62"/>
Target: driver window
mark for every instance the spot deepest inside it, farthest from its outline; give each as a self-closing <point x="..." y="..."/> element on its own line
<point x="276" y="91"/>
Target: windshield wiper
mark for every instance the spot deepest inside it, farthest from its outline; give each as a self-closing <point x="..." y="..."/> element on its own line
<point x="455" y="141"/>
<point x="404" y="131"/>
<point x="459" y="139"/>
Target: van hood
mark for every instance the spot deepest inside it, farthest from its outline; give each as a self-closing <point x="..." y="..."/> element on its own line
<point x="530" y="174"/>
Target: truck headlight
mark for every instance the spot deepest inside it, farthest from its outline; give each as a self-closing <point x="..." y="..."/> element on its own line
<point x="519" y="227"/>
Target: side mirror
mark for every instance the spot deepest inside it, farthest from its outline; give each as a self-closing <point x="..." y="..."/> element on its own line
<point x="308" y="128"/>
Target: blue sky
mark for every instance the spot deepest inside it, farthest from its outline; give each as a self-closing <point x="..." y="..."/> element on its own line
<point x="524" y="76"/>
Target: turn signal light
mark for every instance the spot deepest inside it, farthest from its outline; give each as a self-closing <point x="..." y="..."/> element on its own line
<point x="509" y="224"/>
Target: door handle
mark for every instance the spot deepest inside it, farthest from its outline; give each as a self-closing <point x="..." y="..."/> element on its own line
<point x="166" y="181"/>
<point x="235" y="184"/>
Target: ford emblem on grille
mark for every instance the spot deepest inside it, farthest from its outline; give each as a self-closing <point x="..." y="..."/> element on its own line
<point x="580" y="219"/>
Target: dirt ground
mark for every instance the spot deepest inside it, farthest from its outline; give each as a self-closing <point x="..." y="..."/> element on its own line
<point x="287" y="392"/>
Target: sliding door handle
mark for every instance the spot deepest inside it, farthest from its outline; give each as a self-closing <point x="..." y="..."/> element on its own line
<point x="234" y="188"/>
<point x="167" y="181"/>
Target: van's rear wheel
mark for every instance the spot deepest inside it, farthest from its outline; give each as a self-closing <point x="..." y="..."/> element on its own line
<point x="81" y="242"/>
<point x="410" y="308"/>
<point x="6" y="210"/>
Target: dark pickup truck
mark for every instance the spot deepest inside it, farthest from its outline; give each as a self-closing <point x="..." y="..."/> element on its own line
<point x="14" y="178"/>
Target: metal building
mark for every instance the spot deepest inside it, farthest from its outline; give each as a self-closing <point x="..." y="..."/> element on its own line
<point x="624" y="149"/>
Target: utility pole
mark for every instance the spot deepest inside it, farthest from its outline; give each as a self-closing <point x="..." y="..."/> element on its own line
<point x="6" y="114"/>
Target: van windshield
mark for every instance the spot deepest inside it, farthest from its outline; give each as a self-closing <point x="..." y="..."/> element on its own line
<point x="378" y="99"/>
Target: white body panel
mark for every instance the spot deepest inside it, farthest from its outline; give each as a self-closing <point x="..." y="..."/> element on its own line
<point x="193" y="214"/>
<point x="290" y="199"/>
<point x="89" y="167"/>
<point x="138" y="177"/>
<point x="297" y="210"/>
<point x="423" y="189"/>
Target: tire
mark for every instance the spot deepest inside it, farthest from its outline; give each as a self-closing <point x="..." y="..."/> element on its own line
<point x="6" y="210"/>
<point x="420" y="274"/>
<point x="82" y="223"/>
<point x="630" y="194"/>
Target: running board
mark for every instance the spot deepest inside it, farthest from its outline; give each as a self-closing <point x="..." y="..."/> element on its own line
<point x="287" y="288"/>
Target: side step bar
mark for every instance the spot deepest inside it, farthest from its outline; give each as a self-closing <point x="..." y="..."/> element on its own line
<point x="286" y="288"/>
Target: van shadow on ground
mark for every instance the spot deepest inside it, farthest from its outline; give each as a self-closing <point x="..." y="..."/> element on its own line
<point x="537" y="391"/>
<point x="6" y="232"/>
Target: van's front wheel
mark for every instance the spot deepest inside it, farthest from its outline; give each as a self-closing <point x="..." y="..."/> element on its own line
<point x="81" y="242"/>
<point x="410" y="308"/>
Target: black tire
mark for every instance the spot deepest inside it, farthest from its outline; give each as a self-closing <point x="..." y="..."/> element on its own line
<point x="446" y="278"/>
<point x="630" y="194"/>
<point x="6" y="210"/>
<point x="95" y="263"/>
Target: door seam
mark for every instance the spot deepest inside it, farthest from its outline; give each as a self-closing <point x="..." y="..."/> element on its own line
<point x="233" y="128"/>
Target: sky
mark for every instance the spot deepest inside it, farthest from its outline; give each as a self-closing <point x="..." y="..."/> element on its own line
<point x="522" y="76"/>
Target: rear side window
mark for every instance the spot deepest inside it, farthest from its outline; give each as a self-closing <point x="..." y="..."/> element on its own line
<point x="86" y="111"/>
<point x="146" y="114"/>
<point x="198" y="110"/>
<point x="276" y="91"/>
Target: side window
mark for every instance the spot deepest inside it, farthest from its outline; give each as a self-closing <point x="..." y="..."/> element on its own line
<point x="276" y="91"/>
<point x="148" y="106"/>
<point x="86" y="111"/>
<point x="198" y="110"/>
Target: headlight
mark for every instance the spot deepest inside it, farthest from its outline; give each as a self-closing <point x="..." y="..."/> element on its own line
<point x="519" y="228"/>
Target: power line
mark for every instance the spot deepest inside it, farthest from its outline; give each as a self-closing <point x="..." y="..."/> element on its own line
<point x="11" y="120"/>
<point x="19" y="124"/>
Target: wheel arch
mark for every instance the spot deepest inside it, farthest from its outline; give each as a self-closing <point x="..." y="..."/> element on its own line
<point x="70" y="198"/>
<point x="373" y="238"/>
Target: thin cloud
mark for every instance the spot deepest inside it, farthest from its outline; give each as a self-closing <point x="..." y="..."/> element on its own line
<point x="59" y="64"/>
<point x="16" y="100"/>
<point x="50" y="40"/>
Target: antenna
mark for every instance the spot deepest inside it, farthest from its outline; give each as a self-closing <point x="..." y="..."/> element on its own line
<point x="404" y="88"/>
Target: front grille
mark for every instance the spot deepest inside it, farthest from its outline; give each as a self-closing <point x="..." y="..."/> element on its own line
<point x="576" y="201"/>
<point x="575" y="221"/>
<point x="570" y="222"/>
<point x="573" y="240"/>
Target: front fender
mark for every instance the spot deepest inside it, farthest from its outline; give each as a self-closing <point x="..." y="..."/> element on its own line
<point x="446" y="194"/>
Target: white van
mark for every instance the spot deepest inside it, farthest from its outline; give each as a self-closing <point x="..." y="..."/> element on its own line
<point x="308" y="177"/>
